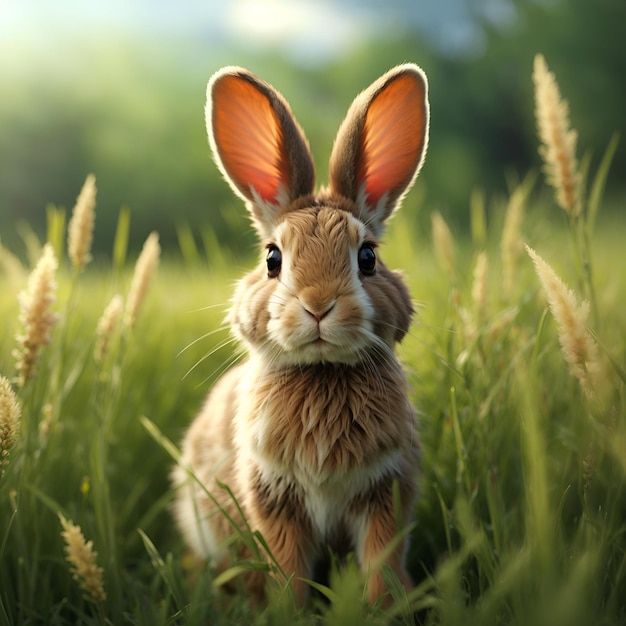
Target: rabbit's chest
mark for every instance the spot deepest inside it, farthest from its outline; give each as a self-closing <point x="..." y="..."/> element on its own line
<point x="323" y="422"/>
<point x="332" y="505"/>
<point x="322" y="442"/>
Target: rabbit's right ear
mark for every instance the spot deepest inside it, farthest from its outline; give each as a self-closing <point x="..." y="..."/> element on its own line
<point x="257" y="144"/>
<point x="381" y="144"/>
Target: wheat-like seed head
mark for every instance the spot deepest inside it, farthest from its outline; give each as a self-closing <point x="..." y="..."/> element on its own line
<point x="36" y="315"/>
<point x="558" y="148"/>
<point x="444" y="243"/>
<point x="106" y="326"/>
<point x="82" y="559"/>
<point x="144" y="269"/>
<point x="10" y="412"/>
<point x="80" y="229"/>
<point x="479" y="288"/>
<point x="578" y="347"/>
<point x="511" y="242"/>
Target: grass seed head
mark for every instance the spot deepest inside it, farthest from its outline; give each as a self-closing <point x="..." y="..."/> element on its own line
<point x="479" y="288"/>
<point x="578" y="347"/>
<point x="82" y="559"/>
<point x="444" y="243"/>
<point x="144" y="269"/>
<point x="36" y="316"/>
<point x="10" y="412"/>
<point x="511" y="243"/>
<point x="558" y="141"/>
<point x="80" y="229"/>
<point x="106" y="326"/>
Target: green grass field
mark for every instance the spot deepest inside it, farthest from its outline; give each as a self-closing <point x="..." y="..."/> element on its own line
<point x="522" y="518"/>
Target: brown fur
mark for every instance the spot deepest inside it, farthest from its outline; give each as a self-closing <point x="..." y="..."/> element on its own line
<point x="313" y="431"/>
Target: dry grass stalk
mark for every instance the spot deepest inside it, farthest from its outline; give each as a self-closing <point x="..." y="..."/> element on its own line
<point x="558" y="148"/>
<point x="444" y="243"/>
<point x="83" y="561"/>
<point x="36" y="315"/>
<point x="106" y="326"/>
<point x="579" y="349"/>
<point x="144" y="269"/>
<point x="10" y="412"/>
<point x="479" y="288"/>
<point x="80" y="229"/>
<point x="511" y="243"/>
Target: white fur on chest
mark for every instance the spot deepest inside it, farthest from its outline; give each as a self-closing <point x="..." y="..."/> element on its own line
<point x="327" y="495"/>
<point x="327" y="502"/>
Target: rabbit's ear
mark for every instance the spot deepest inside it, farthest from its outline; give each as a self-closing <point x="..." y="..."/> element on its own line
<point x="381" y="144"/>
<point x="257" y="144"/>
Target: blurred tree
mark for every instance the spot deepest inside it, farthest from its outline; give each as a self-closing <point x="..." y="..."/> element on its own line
<point x="131" y="111"/>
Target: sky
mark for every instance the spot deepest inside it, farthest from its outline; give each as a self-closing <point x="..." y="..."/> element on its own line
<point x="310" y="30"/>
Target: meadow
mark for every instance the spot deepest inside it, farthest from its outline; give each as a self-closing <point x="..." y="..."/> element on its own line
<point x="516" y="364"/>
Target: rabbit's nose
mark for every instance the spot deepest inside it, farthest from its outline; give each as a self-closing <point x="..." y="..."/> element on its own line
<point x="318" y="313"/>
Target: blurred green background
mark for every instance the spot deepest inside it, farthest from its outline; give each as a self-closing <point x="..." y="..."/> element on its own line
<point x="117" y="88"/>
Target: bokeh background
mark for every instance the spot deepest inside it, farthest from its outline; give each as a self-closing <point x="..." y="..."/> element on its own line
<point x="117" y="88"/>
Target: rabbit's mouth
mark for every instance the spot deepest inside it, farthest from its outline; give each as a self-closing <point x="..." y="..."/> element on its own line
<point x="330" y="342"/>
<point x="322" y="349"/>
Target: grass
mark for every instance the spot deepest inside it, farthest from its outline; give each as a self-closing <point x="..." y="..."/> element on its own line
<point x="522" y="518"/>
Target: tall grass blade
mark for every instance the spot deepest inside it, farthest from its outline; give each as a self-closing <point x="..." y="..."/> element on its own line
<point x="120" y="243"/>
<point x="156" y="434"/>
<point x="187" y="245"/>
<point x="539" y="519"/>
<point x="7" y="533"/>
<point x="617" y="366"/>
<point x="478" y="218"/>
<point x="599" y="183"/>
<point x="172" y="582"/>
<point x="56" y="229"/>
<point x="242" y="568"/>
<point x="347" y="605"/>
<point x="461" y="474"/>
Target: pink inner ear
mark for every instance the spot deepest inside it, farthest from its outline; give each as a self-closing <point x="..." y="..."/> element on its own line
<point x="393" y="139"/>
<point x="248" y="138"/>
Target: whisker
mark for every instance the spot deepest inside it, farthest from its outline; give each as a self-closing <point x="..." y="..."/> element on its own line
<point x="221" y="369"/>
<point x="420" y="324"/>
<point x="209" y="307"/>
<point x="433" y="351"/>
<point x="209" y="355"/>
<point x="370" y="368"/>
<point x="436" y="327"/>
<point x="219" y="329"/>
<point x="271" y="357"/>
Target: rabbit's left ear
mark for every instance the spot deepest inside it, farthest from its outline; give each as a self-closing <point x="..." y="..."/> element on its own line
<point x="257" y="144"/>
<point x="381" y="144"/>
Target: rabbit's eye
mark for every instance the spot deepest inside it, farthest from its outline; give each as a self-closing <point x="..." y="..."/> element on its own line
<point x="274" y="261"/>
<point x="367" y="259"/>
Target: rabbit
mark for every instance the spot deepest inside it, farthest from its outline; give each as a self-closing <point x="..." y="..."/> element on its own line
<point x="314" y="434"/>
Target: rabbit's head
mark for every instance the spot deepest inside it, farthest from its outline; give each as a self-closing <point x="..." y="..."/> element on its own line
<point x="320" y="293"/>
